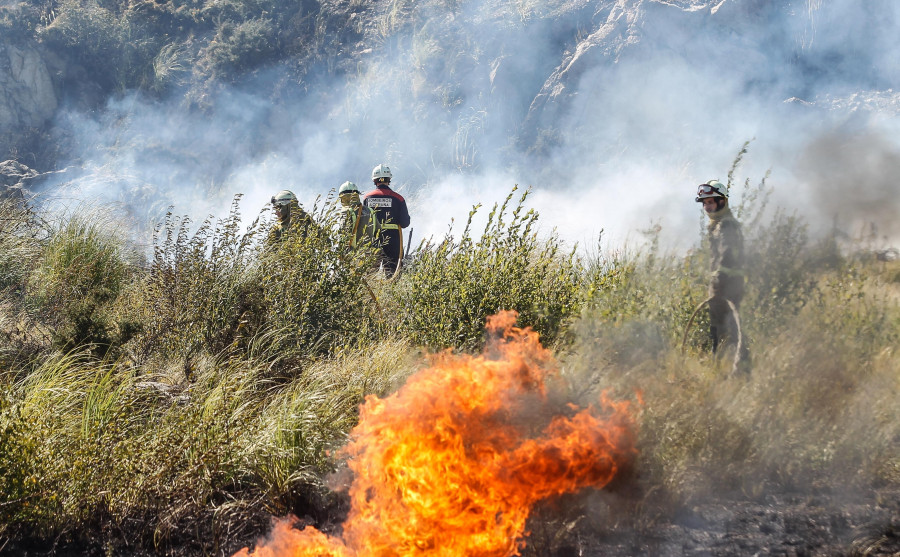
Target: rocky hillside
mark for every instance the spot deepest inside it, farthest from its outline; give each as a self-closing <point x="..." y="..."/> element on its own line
<point x="184" y="103"/>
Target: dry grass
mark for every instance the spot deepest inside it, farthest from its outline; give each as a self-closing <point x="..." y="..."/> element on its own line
<point x="171" y="447"/>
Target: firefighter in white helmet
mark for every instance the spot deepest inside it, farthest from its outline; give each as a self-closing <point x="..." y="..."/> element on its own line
<point x="359" y="220"/>
<point x="726" y="244"/>
<point x="392" y="217"/>
<point x="291" y="216"/>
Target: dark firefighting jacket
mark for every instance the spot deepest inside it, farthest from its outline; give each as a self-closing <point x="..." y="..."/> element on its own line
<point x="726" y="261"/>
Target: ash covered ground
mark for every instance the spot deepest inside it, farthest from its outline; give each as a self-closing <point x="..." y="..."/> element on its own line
<point x="786" y="524"/>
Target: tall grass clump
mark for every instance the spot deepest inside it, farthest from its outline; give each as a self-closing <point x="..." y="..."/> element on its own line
<point x="112" y="452"/>
<point x="453" y="286"/>
<point x="833" y="372"/>
<point x="812" y="413"/>
<point x="82" y="268"/>
<point x="301" y="427"/>
<point x="20" y="235"/>
<point x="96" y="454"/>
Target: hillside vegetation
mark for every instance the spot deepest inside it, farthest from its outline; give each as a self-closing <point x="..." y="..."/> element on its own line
<point x="153" y="46"/>
<point x="445" y="63"/>
<point x="197" y="47"/>
<point x="178" y="399"/>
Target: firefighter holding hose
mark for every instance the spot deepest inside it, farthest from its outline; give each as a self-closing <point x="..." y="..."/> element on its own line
<point x="726" y="261"/>
<point x="360" y="221"/>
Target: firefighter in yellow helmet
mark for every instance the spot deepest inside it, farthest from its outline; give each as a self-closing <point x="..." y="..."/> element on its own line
<point x="359" y="220"/>
<point x="726" y="244"/>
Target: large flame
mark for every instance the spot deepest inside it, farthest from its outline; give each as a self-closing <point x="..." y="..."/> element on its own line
<point x="453" y="463"/>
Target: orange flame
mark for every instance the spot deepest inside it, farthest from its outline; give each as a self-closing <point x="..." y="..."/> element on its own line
<point x="453" y="462"/>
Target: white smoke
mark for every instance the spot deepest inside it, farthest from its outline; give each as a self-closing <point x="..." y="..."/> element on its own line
<point x="661" y="100"/>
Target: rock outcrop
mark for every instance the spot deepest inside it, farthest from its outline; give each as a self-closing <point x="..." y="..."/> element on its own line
<point x="14" y="179"/>
<point x="27" y="94"/>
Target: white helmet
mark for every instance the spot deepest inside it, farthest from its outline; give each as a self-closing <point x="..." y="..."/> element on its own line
<point x="713" y="188"/>
<point x="381" y="171"/>
<point x="283" y="197"/>
<point x="348" y="187"/>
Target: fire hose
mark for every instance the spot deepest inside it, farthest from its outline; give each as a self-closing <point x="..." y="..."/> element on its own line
<point x="353" y="244"/>
<point x="372" y="294"/>
<point x="737" y="322"/>
<point x="366" y="284"/>
<point x="402" y="254"/>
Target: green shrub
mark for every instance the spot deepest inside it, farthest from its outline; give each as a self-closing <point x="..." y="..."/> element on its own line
<point x="201" y="291"/>
<point x="315" y="289"/>
<point x="116" y="49"/>
<point x="660" y="291"/>
<point x="452" y="287"/>
<point x="80" y="273"/>
<point x="238" y="47"/>
<point x="218" y="289"/>
<point x="778" y="270"/>
<point x="17" y="449"/>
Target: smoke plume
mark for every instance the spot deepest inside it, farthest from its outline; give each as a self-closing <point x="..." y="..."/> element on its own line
<point x="612" y="111"/>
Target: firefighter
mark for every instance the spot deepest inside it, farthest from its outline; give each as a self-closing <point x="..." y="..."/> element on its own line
<point x="726" y="244"/>
<point x="291" y="216"/>
<point x="359" y="220"/>
<point x="391" y="217"/>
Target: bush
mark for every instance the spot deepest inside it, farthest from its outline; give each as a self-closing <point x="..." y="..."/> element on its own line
<point x="80" y="273"/>
<point x="316" y="291"/>
<point x="201" y="291"/>
<point x="446" y="295"/>
<point x="17" y="449"/>
<point x="779" y="271"/>
<point x="660" y="291"/>
<point x="217" y="289"/>
<point x="239" y="47"/>
<point x="116" y="50"/>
